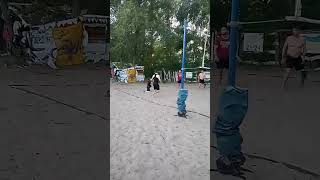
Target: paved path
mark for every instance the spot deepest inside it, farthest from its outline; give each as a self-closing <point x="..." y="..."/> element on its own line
<point x="148" y="142"/>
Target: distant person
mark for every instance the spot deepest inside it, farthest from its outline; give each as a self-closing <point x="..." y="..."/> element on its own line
<point x="7" y="36"/>
<point x="221" y="52"/>
<point x="293" y="55"/>
<point x="156" y="82"/>
<point x="117" y="74"/>
<point x="149" y="85"/>
<point x="17" y="32"/>
<point x="201" y="79"/>
<point x="179" y="77"/>
<point x="85" y="42"/>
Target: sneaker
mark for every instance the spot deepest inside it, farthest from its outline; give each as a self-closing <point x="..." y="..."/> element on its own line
<point x="181" y="114"/>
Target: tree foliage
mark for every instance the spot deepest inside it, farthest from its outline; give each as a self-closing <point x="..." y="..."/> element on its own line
<point x="258" y="10"/>
<point x="143" y="32"/>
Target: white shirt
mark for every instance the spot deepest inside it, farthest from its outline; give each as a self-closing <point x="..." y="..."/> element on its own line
<point x="158" y="76"/>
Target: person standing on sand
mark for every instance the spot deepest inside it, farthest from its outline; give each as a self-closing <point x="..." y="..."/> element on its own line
<point x="293" y="55"/>
<point x="221" y="51"/>
<point x="201" y="79"/>
<point x="156" y="82"/>
<point x="179" y="77"/>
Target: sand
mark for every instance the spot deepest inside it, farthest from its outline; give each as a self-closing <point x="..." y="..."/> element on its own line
<point x="148" y="142"/>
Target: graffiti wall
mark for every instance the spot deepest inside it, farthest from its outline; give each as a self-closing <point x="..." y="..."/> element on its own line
<point x="131" y="75"/>
<point x="68" y="41"/>
<point x="42" y="43"/>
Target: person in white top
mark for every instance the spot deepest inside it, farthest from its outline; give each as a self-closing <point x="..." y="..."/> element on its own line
<point x="17" y="25"/>
<point x="201" y="78"/>
<point x="156" y="82"/>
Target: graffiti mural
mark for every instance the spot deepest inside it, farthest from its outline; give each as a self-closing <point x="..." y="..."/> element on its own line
<point x="43" y="47"/>
<point x="68" y="41"/>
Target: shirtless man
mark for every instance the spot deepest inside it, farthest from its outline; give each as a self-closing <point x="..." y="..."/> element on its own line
<point x="293" y="55"/>
<point x="201" y="79"/>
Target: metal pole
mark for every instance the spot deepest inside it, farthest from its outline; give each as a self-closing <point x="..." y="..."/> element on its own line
<point x="184" y="53"/>
<point x="233" y="42"/>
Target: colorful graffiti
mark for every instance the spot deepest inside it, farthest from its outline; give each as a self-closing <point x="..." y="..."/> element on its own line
<point x="68" y="41"/>
<point x="131" y="75"/>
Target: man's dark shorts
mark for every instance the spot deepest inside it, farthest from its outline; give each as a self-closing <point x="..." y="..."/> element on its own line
<point x="202" y="81"/>
<point x="222" y="64"/>
<point x="156" y="87"/>
<point x="294" y="63"/>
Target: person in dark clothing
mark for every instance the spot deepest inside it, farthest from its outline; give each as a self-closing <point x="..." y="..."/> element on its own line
<point x="179" y="77"/>
<point x="148" y="85"/>
<point x="156" y="82"/>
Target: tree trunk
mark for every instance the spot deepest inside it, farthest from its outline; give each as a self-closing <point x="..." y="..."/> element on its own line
<point x="75" y="8"/>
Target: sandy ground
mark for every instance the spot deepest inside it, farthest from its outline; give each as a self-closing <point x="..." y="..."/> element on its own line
<point x="53" y="124"/>
<point x="148" y="142"/>
<point x="281" y="128"/>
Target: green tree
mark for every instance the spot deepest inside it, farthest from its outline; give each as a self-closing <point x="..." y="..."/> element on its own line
<point x="143" y="32"/>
